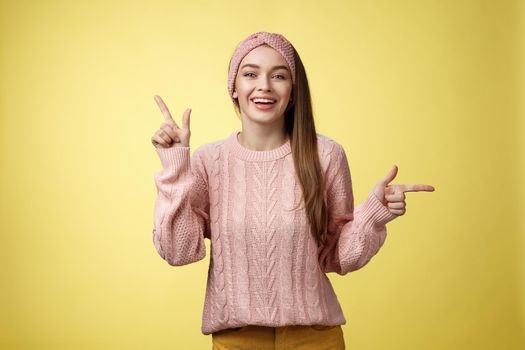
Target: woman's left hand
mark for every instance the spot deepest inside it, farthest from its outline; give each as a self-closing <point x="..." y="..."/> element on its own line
<point x="393" y="196"/>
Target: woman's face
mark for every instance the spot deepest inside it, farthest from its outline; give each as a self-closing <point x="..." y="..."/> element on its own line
<point x="263" y="72"/>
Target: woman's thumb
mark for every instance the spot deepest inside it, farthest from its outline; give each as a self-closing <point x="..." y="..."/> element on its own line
<point x="186" y="119"/>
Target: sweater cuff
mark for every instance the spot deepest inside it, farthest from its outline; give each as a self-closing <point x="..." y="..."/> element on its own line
<point x="173" y="157"/>
<point x="374" y="212"/>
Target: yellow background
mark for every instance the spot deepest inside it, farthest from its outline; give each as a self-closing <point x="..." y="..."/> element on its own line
<point x="435" y="87"/>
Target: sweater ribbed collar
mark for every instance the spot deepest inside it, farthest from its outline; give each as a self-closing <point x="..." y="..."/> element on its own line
<point x="250" y="155"/>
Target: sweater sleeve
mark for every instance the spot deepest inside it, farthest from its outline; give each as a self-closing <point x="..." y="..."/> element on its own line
<point x="181" y="213"/>
<point x="354" y="236"/>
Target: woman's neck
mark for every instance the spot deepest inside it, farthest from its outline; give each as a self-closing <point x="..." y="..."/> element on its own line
<point x="257" y="142"/>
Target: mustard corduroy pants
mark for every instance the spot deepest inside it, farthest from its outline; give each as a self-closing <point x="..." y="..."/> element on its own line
<point x="297" y="337"/>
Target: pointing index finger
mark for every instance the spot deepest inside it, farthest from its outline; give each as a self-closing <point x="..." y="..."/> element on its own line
<point x="416" y="188"/>
<point x="163" y="108"/>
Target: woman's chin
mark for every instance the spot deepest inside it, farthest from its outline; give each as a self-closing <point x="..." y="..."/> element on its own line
<point x="264" y="118"/>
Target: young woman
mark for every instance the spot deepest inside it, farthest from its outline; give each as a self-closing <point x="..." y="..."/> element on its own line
<point x="276" y="202"/>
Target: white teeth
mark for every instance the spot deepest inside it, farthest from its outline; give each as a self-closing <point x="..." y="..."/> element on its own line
<point x="262" y="100"/>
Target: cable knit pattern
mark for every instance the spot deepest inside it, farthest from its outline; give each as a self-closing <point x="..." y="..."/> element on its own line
<point x="241" y="262"/>
<point x="265" y="267"/>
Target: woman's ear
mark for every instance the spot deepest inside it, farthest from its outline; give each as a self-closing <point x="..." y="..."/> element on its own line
<point x="234" y="94"/>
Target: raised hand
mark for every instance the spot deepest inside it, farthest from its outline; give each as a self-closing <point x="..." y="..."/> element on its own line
<point x="169" y="134"/>
<point x="393" y="196"/>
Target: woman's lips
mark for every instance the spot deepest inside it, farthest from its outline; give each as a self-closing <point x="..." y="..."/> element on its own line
<point x="262" y="106"/>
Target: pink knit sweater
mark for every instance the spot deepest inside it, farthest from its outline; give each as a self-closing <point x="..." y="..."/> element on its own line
<point x="265" y="268"/>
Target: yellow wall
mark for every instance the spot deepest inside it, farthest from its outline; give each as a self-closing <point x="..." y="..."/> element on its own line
<point x="432" y="86"/>
<point x="520" y="136"/>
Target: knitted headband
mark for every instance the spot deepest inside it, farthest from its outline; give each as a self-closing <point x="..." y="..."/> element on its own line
<point x="274" y="40"/>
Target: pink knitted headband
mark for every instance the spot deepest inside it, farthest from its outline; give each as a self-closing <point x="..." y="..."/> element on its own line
<point x="275" y="40"/>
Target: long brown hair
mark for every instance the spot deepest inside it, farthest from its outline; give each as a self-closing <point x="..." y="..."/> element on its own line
<point x="300" y="127"/>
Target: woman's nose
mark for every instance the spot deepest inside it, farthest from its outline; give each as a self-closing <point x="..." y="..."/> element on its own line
<point x="264" y="83"/>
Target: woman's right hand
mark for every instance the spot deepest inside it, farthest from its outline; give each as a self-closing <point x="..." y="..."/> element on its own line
<point x="169" y="134"/>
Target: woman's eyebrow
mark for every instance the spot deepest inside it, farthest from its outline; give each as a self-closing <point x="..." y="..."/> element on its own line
<point x="256" y="66"/>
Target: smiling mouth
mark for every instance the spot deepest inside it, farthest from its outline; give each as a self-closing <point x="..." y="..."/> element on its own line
<point x="263" y="106"/>
<point x="263" y="103"/>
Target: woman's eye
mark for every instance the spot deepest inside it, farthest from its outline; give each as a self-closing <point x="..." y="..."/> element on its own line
<point x="282" y="77"/>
